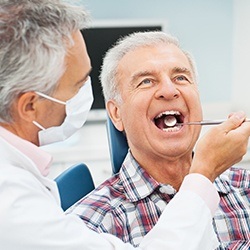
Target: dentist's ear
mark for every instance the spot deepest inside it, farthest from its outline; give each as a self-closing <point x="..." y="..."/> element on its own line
<point x="26" y="106"/>
<point x="113" y="110"/>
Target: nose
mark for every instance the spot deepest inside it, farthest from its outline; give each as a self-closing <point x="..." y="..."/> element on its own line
<point x="167" y="90"/>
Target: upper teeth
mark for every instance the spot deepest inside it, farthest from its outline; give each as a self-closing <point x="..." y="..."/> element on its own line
<point x="170" y="112"/>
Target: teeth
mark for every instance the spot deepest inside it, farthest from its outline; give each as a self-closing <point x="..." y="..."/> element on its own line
<point x="173" y="129"/>
<point x="170" y="112"/>
<point x="170" y="121"/>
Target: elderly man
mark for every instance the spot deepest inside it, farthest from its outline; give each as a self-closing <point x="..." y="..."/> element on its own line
<point x="150" y="88"/>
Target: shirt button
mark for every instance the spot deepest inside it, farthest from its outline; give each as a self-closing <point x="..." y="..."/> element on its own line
<point x="167" y="189"/>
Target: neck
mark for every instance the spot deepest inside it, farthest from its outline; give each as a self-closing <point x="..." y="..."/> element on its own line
<point x="169" y="171"/>
<point x="24" y="131"/>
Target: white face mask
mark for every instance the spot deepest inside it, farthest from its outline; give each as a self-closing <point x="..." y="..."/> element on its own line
<point x="77" y="109"/>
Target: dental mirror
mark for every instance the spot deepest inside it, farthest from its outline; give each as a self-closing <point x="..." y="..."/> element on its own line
<point x="170" y="121"/>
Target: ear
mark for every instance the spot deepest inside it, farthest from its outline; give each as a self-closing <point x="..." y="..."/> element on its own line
<point x="27" y="106"/>
<point x="114" y="113"/>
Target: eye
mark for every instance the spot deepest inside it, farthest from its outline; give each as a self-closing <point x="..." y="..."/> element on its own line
<point x="145" y="82"/>
<point x="182" y="79"/>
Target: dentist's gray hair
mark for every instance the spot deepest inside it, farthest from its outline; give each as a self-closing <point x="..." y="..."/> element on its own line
<point x="34" y="39"/>
<point x="109" y="75"/>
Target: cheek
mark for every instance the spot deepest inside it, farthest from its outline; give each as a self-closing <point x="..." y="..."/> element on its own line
<point x="60" y="113"/>
<point x="194" y="103"/>
<point x="131" y="114"/>
<point x="55" y="114"/>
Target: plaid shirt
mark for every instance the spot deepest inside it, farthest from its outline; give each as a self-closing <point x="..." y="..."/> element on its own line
<point x="130" y="203"/>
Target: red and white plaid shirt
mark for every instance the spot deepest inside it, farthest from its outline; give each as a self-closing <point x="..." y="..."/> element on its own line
<point x="130" y="203"/>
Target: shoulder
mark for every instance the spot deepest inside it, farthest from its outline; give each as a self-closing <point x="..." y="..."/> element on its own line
<point x="106" y="195"/>
<point x="101" y="203"/>
<point x="239" y="178"/>
<point x="234" y="186"/>
<point x="16" y="176"/>
<point x="234" y="177"/>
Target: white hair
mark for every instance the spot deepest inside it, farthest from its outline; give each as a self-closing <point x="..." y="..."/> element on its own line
<point x="34" y="39"/>
<point x="109" y="77"/>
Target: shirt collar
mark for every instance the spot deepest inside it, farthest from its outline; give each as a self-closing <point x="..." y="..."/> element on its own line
<point x="40" y="158"/>
<point x="137" y="183"/>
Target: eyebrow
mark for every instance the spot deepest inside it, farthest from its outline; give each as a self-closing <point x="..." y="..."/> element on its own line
<point x="141" y="74"/>
<point x="175" y="70"/>
<point x="182" y="70"/>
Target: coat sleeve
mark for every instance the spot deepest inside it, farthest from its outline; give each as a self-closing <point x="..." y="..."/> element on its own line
<point x="31" y="219"/>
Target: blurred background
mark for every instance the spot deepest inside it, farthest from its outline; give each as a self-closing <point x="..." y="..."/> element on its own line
<point x="217" y="33"/>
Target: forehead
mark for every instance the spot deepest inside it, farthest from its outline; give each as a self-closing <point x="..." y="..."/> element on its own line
<point x="77" y="56"/>
<point x="158" y="58"/>
<point x="77" y="68"/>
<point x="77" y="61"/>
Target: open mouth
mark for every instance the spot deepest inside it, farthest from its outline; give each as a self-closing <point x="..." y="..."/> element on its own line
<point x="169" y="121"/>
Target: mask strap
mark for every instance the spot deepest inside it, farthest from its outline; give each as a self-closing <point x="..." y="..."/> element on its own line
<point x="38" y="125"/>
<point x="50" y="98"/>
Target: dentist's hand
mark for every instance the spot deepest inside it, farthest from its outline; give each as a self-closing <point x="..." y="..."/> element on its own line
<point x="221" y="147"/>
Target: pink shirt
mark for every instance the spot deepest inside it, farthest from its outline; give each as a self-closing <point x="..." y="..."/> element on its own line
<point x="40" y="158"/>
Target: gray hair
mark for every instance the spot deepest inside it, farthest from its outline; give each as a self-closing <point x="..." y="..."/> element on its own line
<point x="109" y="74"/>
<point x="34" y="39"/>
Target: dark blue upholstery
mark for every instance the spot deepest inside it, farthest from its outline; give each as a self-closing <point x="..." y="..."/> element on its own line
<point x="73" y="184"/>
<point x="118" y="146"/>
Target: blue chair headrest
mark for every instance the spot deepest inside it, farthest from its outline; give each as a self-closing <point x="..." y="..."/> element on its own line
<point x="73" y="184"/>
<point x="118" y="146"/>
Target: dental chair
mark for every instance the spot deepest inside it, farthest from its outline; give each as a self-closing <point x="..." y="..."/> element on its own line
<point x="73" y="184"/>
<point x="118" y="146"/>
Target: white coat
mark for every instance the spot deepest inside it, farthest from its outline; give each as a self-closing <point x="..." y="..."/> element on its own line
<point x="31" y="217"/>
